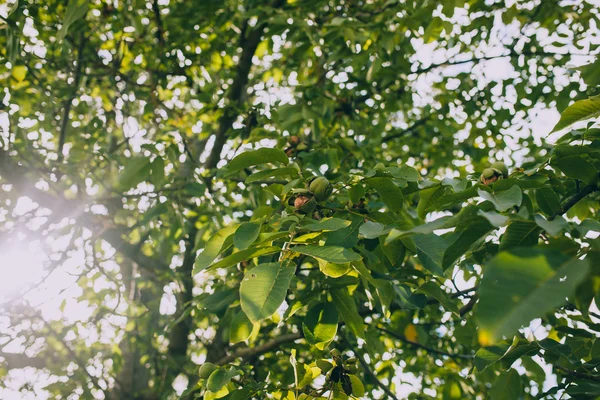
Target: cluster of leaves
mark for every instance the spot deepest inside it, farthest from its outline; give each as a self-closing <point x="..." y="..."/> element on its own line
<point x="172" y="146"/>
<point x="369" y="252"/>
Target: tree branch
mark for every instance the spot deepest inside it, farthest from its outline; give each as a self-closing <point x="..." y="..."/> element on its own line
<point x="369" y="371"/>
<point x="246" y="352"/>
<point x="408" y="130"/>
<point x="64" y="123"/>
<point x="574" y="200"/>
<point x="449" y="63"/>
<point x="234" y="97"/>
<point x="159" y="24"/>
<point x="426" y="348"/>
<point x="580" y="375"/>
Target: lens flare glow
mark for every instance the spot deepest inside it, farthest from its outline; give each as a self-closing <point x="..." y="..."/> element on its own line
<point x="20" y="267"/>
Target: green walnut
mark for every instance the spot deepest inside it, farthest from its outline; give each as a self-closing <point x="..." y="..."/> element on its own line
<point x="351" y="361"/>
<point x="206" y="369"/>
<point x="335" y="353"/>
<point x="305" y="204"/>
<point x="352" y="369"/>
<point x="320" y="188"/>
<point x="500" y="167"/>
<point x="497" y="170"/>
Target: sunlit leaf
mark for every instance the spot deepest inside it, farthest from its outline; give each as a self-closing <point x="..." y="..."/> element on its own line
<point x="263" y="289"/>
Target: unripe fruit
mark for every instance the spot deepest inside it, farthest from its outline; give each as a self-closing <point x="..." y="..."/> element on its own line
<point x="301" y="146"/>
<point x="490" y="175"/>
<point x="352" y="369"/>
<point x="351" y="360"/>
<point x="320" y="188"/>
<point x="300" y="201"/>
<point x="206" y="369"/>
<point x="304" y="204"/>
<point x="500" y="167"/>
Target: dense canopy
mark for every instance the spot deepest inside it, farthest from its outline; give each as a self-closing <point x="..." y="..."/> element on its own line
<point x="299" y="199"/>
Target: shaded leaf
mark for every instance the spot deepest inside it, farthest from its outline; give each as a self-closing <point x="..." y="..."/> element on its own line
<point x="579" y="111"/>
<point x="320" y="324"/>
<point x="521" y="285"/>
<point x="347" y="308"/>
<point x="215" y="245"/>
<point x="504" y="200"/>
<point x="390" y="194"/>
<point x="257" y="157"/>
<point x="246" y="234"/>
<point x="332" y="254"/>
<point x="430" y="250"/>
<point x="244" y="255"/>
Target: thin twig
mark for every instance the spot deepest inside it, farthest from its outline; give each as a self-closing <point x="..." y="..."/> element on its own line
<point x="426" y="348"/>
<point x="369" y="371"/>
<point x="246" y="352"/>
<point x="574" y="200"/>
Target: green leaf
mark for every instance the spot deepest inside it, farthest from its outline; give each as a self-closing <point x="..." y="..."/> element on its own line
<point x="356" y="192"/>
<point x="320" y="324"/>
<point x="358" y="389"/>
<point x="346" y="237"/>
<point x="504" y="200"/>
<point x="576" y="167"/>
<point x="554" y="227"/>
<point x="547" y="200"/>
<point x="257" y="157"/>
<point x="334" y="270"/>
<point x="263" y="289"/>
<point x="466" y="237"/>
<point x="591" y="73"/>
<point x="246" y="234"/>
<point x="372" y="230"/>
<point x="521" y="285"/>
<point x="271" y="173"/>
<point x="136" y="170"/>
<point x="434" y="290"/>
<point x="240" y="328"/>
<point x="215" y="245"/>
<point x="390" y="194"/>
<point x="494" y="218"/>
<point x="520" y="233"/>
<point x="332" y="254"/>
<point x="244" y="255"/>
<point x="405" y="172"/>
<point x="76" y="9"/>
<point x="217" y="380"/>
<point x="430" y="250"/>
<point x="217" y="301"/>
<point x="507" y="386"/>
<point x="490" y="354"/>
<point x="327" y="224"/>
<point x="427" y="197"/>
<point x="157" y="174"/>
<point x="347" y="308"/>
<point x="581" y="110"/>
